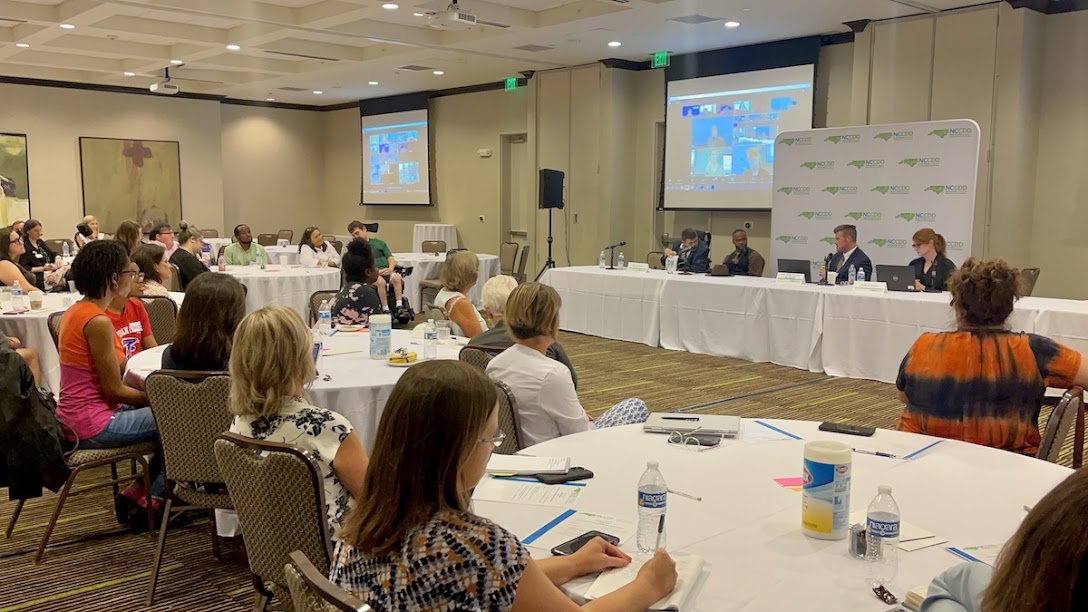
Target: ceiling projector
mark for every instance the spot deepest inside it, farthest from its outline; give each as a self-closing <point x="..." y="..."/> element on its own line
<point x="164" y="87"/>
<point x="455" y="19"/>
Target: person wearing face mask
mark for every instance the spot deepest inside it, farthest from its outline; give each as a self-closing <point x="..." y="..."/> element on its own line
<point x="931" y="269"/>
<point x="694" y="254"/>
<point x="744" y="261"/>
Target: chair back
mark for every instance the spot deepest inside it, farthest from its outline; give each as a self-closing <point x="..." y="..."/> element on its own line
<point x="280" y="499"/>
<point x="520" y="275"/>
<point x="162" y="312"/>
<point x="653" y="258"/>
<point x="315" y="303"/>
<point x="337" y="246"/>
<point x="475" y="357"/>
<point x="267" y="239"/>
<point x="435" y="312"/>
<point x="1028" y="278"/>
<point x="311" y="591"/>
<point x="286" y="234"/>
<point x="219" y="255"/>
<point x="508" y="420"/>
<point x="174" y="282"/>
<point x="210" y="233"/>
<point x="190" y="409"/>
<point x="703" y="236"/>
<point x="54" y="327"/>
<point x="57" y="245"/>
<point x="434" y="246"/>
<point x="1068" y="414"/>
<point x="508" y="257"/>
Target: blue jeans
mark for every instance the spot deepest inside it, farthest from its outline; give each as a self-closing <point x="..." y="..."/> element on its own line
<point x="131" y="426"/>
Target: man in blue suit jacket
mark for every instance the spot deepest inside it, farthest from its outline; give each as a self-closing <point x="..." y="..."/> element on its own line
<point x="847" y="254"/>
<point x="694" y="254"/>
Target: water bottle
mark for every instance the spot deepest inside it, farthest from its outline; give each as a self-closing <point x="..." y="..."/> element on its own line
<point x="671" y="263"/>
<point x="260" y="259"/>
<point x="619" y="262"/>
<point x="206" y="253"/>
<point x="652" y="494"/>
<point x="430" y="340"/>
<point x="882" y="538"/>
<point x="601" y="261"/>
<point x="853" y="274"/>
<point x="861" y="275"/>
<point x="17" y="297"/>
<point x="324" y="318"/>
<point x="65" y="251"/>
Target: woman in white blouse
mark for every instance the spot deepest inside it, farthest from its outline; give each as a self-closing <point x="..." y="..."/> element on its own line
<point x="314" y="252"/>
<point x="459" y="275"/>
<point x="548" y="405"/>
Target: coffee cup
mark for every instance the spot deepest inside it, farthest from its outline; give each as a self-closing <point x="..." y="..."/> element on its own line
<point x="36" y="299"/>
<point x="284" y="260"/>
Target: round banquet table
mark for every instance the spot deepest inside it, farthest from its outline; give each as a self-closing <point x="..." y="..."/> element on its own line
<point x="275" y="252"/>
<point x="290" y="286"/>
<point x="747" y="527"/>
<point x="358" y="386"/>
<point x="427" y="266"/>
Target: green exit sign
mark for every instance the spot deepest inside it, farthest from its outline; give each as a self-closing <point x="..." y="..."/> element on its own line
<point x="661" y="59"/>
<point x="511" y="83"/>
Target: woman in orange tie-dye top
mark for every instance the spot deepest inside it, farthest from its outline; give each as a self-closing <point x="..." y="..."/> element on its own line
<point x="983" y="383"/>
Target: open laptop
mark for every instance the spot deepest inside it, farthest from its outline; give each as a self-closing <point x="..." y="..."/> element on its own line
<point x="796" y="266"/>
<point x="898" y="278"/>
<point x="715" y="424"/>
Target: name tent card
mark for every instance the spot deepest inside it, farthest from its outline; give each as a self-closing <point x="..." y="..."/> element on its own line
<point x="790" y="278"/>
<point x="870" y="287"/>
<point x="638" y="267"/>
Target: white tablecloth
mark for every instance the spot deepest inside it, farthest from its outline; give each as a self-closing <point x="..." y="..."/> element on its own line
<point x="275" y="252"/>
<point x="358" y="388"/>
<point x="289" y="286"/>
<point x="747" y="527"/>
<point x="427" y="266"/>
<point x="434" y="231"/>
<point x="609" y="303"/>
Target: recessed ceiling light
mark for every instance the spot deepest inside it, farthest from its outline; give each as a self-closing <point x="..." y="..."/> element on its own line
<point x="127" y="73"/>
<point x="233" y="47"/>
<point x="67" y="26"/>
<point x="176" y="62"/>
<point x="732" y="24"/>
<point x="438" y="73"/>
<point x="373" y="83"/>
<point x="269" y="99"/>
<point x="318" y="92"/>
<point x="22" y="45"/>
<point x="614" y="44"/>
<point x="390" y="6"/>
<point x="419" y="14"/>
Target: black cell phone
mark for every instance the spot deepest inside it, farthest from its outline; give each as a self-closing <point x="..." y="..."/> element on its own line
<point x="843" y="428"/>
<point x="574" y="473"/>
<point x="706" y="439"/>
<point x="571" y="546"/>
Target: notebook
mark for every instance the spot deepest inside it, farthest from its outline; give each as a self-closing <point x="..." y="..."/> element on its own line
<point x="915" y="597"/>
<point x="688" y="568"/>
<point x="525" y="464"/>
<point x="713" y="424"/>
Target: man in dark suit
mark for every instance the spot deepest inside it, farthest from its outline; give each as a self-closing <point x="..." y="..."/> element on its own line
<point x="847" y="254"/>
<point x="694" y="254"/>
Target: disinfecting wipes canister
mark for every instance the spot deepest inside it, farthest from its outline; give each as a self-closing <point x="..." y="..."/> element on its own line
<point x="825" y="493"/>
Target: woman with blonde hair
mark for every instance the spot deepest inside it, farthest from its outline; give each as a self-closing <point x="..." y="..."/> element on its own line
<point x="271" y="365"/>
<point x="187" y="256"/>
<point x="413" y="542"/>
<point x="983" y="383"/>
<point x="932" y="268"/>
<point x="81" y="237"/>
<point x="458" y="277"/>
<point x="548" y="405"/>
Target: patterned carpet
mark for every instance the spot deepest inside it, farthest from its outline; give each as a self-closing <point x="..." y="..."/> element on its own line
<point x="111" y="573"/>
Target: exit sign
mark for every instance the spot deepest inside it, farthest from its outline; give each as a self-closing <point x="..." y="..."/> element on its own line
<point x="511" y="83"/>
<point x="661" y="59"/>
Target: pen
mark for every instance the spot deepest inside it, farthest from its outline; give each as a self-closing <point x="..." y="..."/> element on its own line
<point x="682" y="494"/>
<point x="877" y="453"/>
<point x="660" y="530"/>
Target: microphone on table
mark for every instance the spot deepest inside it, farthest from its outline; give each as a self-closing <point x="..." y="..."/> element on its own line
<point x="618" y="244"/>
<point x="827" y="268"/>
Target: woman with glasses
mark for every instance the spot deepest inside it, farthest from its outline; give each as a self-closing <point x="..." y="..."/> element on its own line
<point x="314" y="252"/>
<point x="931" y="269"/>
<point x="100" y="410"/>
<point x="271" y="366"/>
<point x="11" y="249"/>
<point x="129" y="316"/>
<point x="413" y="542"/>
<point x="187" y="255"/>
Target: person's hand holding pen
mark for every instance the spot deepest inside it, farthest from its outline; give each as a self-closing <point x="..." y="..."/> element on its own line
<point x="658" y="574"/>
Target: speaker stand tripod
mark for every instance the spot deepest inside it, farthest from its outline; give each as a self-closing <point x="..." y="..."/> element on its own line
<point x="549" y="263"/>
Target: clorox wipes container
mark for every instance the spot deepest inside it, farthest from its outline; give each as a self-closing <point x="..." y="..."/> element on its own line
<point x="825" y="493"/>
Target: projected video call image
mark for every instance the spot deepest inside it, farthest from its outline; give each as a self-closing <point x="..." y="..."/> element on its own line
<point x="729" y="140"/>
<point x="396" y="158"/>
<point x="392" y="158"/>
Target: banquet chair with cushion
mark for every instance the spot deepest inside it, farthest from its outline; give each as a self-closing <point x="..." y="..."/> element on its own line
<point x="1068" y="414"/>
<point x="311" y="591"/>
<point x="219" y="255"/>
<point x="337" y="246"/>
<point x="210" y="233"/>
<point x="190" y="408"/>
<point x="519" y="276"/>
<point x="475" y="357"/>
<point x="508" y="421"/>
<point x="653" y="258"/>
<point x="280" y="499"/>
<point x="267" y="239"/>
<point x="434" y="246"/>
<point x="315" y="303"/>
<point x="174" y="282"/>
<point x="57" y="245"/>
<point x="1028" y="278"/>
<point x="508" y="256"/>
<point x="54" y="322"/>
<point x="162" y="312"/>
<point x="435" y="312"/>
<point x="286" y="234"/>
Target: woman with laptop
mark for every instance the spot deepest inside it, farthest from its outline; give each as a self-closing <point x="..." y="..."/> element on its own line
<point x="931" y="268"/>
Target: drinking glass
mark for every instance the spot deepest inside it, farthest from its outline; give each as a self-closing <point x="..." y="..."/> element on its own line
<point x="443" y="331"/>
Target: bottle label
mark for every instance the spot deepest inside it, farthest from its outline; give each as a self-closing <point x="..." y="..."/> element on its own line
<point x="880" y="529"/>
<point x="651" y="500"/>
<point x="825" y="497"/>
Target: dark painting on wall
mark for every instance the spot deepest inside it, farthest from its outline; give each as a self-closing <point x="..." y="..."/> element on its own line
<point x="131" y="179"/>
<point x="14" y="179"/>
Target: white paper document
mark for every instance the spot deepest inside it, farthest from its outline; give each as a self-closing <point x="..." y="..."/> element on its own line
<point x="572" y="523"/>
<point x="526" y="464"/>
<point x="522" y="492"/>
<point x="752" y="431"/>
<point x="986" y="554"/>
<point x="688" y="569"/>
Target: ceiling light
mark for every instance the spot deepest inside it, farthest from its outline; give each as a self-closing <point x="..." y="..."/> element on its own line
<point x="438" y="73"/>
<point x="22" y="45"/>
<point x="614" y="44"/>
<point x="127" y="73"/>
<point x="732" y="24"/>
<point x="233" y="47"/>
<point x="390" y="6"/>
<point x="176" y="62"/>
<point x="419" y="14"/>
<point x="269" y="99"/>
<point x="318" y="92"/>
<point x="67" y="26"/>
<point x="373" y="83"/>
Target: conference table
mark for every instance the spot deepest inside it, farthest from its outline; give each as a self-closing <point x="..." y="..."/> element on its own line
<point x="747" y="526"/>
<point x="830" y="329"/>
<point x="428" y="266"/>
<point x="348" y="381"/>
<point x="289" y="286"/>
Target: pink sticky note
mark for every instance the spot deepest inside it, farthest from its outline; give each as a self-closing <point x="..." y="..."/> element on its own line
<point x="790" y="483"/>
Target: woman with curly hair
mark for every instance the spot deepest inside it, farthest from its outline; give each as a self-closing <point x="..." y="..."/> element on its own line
<point x="983" y="383"/>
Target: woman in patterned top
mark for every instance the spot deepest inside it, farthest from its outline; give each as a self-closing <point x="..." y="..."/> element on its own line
<point x="412" y="543"/>
<point x="357" y="300"/>
<point x="983" y="383"/>
<point x="270" y="366"/>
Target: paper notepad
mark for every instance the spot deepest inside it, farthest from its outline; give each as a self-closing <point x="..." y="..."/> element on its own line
<point x="688" y="569"/>
<point x="915" y="597"/>
<point x="524" y="464"/>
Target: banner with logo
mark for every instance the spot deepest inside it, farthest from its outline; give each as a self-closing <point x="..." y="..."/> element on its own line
<point x="888" y="180"/>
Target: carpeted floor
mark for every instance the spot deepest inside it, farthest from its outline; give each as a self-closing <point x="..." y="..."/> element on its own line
<point x="111" y="573"/>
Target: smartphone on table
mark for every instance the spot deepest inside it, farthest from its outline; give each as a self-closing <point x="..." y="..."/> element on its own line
<point x="573" y="545"/>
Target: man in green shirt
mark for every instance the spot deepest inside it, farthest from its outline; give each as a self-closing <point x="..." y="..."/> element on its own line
<point x="386" y="263"/>
<point x="244" y="251"/>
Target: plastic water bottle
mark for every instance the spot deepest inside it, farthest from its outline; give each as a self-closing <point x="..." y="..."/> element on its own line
<point x="65" y="251"/>
<point x="619" y="262"/>
<point x="324" y="318"/>
<point x="882" y="538"/>
<point x="601" y="261"/>
<point x="206" y="253"/>
<point x="861" y="275"/>
<point x="671" y="264"/>
<point x="17" y="297"/>
<point x="430" y="340"/>
<point x="853" y="274"/>
<point x="260" y="259"/>
<point x="652" y="494"/>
